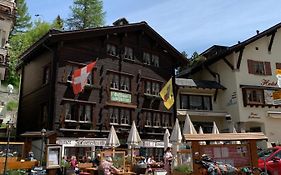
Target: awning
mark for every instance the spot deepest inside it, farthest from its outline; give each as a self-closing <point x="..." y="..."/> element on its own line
<point x="225" y="136"/>
<point x="37" y="134"/>
<point x="184" y="112"/>
<point x="206" y="84"/>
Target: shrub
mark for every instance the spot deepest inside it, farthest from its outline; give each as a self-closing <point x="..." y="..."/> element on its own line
<point x="12" y="105"/>
<point x="183" y="168"/>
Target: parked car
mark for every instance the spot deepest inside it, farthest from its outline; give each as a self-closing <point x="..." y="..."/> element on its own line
<point x="270" y="157"/>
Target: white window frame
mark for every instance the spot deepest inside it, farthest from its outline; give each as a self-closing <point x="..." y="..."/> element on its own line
<point x="114" y="114"/>
<point x="111" y="49"/>
<point x="155" y="60"/>
<point x="146" y="58"/>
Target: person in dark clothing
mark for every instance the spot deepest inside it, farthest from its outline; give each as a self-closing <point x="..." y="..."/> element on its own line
<point x="96" y="161"/>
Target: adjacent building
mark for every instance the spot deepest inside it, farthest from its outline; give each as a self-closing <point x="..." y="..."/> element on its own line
<point x="133" y="63"/>
<point x="7" y="19"/>
<point x="247" y="71"/>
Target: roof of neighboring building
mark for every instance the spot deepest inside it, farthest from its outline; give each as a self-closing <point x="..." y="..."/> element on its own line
<point x="224" y="51"/>
<point x="54" y="36"/>
<point x="205" y="84"/>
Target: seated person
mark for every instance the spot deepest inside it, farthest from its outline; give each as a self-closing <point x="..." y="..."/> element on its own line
<point x="107" y="168"/>
<point x="96" y="161"/>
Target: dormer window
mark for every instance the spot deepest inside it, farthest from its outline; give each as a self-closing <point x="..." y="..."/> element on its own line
<point x="128" y="53"/>
<point x="155" y="60"/>
<point x="111" y="50"/>
<point x="146" y="58"/>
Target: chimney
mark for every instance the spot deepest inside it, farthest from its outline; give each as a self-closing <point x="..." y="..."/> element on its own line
<point x="258" y="32"/>
<point x="120" y="22"/>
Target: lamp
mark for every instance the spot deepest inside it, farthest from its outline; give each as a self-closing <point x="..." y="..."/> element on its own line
<point x="9" y="127"/>
<point x="43" y="134"/>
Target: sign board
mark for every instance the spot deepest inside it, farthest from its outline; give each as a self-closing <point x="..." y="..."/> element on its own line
<point x="120" y="97"/>
<point x="81" y="142"/>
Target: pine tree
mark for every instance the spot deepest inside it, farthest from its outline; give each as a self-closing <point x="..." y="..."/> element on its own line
<point x="58" y="23"/>
<point x="86" y="14"/>
<point x="23" y="19"/>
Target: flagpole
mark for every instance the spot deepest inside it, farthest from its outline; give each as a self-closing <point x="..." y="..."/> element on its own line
<point x="175" y="90"/>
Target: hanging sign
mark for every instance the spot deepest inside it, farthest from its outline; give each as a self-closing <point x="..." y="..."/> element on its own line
<point x="120" y="97"/>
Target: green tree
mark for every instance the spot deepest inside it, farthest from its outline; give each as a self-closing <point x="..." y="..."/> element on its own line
<point x="23" y="19"/>
<point x="58" y="23"/>
<point x="19" y="43"/>
<point x="86" y="14"/>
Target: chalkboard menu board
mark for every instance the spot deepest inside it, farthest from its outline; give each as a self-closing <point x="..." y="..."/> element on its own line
<point x="236" y="155"/>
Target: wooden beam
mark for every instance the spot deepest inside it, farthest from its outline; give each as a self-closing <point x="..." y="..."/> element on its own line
<point x="240" y="58"/>
<point x="228" y="63"/>
<point x="271" y="41"/>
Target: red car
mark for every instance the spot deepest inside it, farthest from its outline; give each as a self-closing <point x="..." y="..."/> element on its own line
<point x="270" y="157"/>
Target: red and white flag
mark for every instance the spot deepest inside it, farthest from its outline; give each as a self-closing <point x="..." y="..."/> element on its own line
<point x="79" y="77"/>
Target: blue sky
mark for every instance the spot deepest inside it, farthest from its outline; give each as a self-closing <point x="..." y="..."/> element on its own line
<point x="189" y="25"/>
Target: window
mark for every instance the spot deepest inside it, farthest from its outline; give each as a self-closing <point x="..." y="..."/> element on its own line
<point x="113" y="115"/>
<point x="111" y="49"/>
<point x="128" y="53"/>
<point x="155" y="60"/>
<point x="148" y="117"/>
<point x="85" y="112"/>
<point x="46" y="75"/>
<point x="166" y="120"/>
<point x="120" y="82"/>
<point x="157" y="119"/>
<point x="254" y="96"/>
<point x="195" y="102"/>
<point x="115" y="81"/>
<point x="70" y="109"/>
<point x="151" y="87"/>
<point x="125" y="116"/>
<point x="119" y="113"/>
<point x="146" y="58"/>
<point x="259" y="67"/>
<point x="278" y="65"/>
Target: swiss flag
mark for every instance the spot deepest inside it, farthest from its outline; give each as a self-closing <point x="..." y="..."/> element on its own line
<point x="79" y="77"/>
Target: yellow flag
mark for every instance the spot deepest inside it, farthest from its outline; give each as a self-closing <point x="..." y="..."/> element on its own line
<point x="167" y="94"/>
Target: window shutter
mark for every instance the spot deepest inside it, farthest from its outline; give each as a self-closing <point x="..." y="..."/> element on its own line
<point x="250" y="66"/>
<point x="267" y="68"/>
<point x="278" y="65"/>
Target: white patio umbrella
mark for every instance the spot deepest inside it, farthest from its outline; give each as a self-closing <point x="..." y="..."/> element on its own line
<point x="234" y="131"/>
<point x="133" y="139"/>
<point x="176" y="139"/>
<point x="188" y="127"/>
<point x="215" y="130"/>
<point x="166" y="139"/>
<point x="201" y="132"/>
<point x="112" y="139"/>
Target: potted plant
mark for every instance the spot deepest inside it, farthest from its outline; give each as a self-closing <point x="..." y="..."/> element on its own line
<point x="182" y="170"/>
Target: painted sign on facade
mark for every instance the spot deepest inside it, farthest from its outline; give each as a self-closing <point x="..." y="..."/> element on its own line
<point x="120" y="97"/>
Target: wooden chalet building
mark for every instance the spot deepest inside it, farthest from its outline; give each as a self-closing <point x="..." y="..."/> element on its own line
<point x="133" y="63"/>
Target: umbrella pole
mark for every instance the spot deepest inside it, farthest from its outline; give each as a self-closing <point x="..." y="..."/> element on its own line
<point x="132" y="149"/>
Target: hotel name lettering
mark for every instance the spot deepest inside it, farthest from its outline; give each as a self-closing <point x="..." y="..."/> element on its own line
<point x="120" y="97"/>
<point x="82" y="142"/>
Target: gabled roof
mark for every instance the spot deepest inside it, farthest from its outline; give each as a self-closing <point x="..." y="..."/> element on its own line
<point x="228" y="50"/>
<point x="54" y="36"/>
